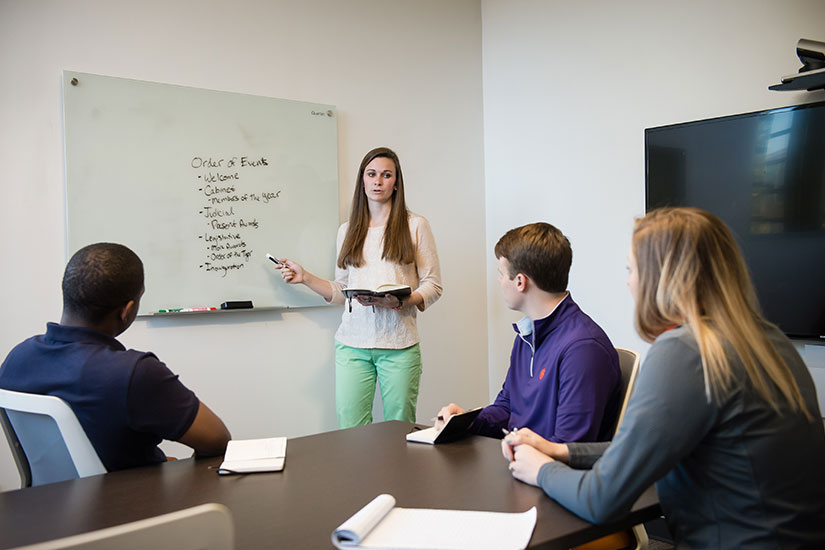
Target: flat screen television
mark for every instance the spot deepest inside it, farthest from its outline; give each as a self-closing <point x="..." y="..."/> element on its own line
<point x="763" y="174"/>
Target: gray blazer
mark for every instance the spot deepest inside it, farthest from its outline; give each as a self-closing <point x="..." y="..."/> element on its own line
<point x="730" y="473"/>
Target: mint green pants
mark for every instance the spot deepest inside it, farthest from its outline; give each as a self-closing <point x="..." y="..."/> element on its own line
<point x="398" y="372"/>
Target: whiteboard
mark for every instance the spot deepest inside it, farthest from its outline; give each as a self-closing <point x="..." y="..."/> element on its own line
<point x="201" y="184"/>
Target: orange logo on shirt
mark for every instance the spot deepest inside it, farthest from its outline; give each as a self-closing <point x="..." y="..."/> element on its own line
<point x="541" y="374"/>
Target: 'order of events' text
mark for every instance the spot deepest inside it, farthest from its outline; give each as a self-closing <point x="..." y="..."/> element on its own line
<point x="230" y="208"/>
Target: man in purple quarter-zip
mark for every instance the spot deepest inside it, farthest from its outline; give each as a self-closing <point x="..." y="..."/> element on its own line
<point x="564" y="377"/>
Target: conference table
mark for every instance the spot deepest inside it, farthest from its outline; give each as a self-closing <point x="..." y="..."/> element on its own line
<point x="327" y="478"/>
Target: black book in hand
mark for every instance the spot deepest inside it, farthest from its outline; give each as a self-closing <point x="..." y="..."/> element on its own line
<point x="382" y="290"/>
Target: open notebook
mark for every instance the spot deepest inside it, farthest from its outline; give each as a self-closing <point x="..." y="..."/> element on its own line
<point x="246" y="456"/>
<point x="455" y="427"/>
<point x="380" y="525"/>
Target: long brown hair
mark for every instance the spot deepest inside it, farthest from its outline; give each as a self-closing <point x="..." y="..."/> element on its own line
<point x="692" y="273"/>
<point x="398" y="245"/>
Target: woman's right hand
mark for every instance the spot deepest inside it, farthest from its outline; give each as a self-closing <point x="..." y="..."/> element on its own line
<point x="292" y="272"/>
<point x="526" y="436"/>
<point x="527" y="463"/>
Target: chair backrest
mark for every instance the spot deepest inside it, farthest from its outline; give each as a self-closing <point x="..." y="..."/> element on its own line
<point x="17" y="451"/>
<point x="46" y="439"/>
<point x="629" y="365"/>
<point x="204" y="527"/>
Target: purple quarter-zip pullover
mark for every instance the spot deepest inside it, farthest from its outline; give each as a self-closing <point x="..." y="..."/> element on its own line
<point x="565" y="390"/>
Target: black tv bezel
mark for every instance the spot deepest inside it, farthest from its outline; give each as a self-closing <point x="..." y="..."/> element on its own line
<point x="751" y="114"/>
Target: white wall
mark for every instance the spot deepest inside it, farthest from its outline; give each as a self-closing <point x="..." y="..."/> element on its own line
<point x="569" y="88"/>
<point x="402" y="74"/>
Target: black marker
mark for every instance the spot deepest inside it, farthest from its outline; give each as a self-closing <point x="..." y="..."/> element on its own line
<point x="274" y="259"/>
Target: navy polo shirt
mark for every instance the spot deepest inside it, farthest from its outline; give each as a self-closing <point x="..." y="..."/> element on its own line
<point x="127" y="401"/>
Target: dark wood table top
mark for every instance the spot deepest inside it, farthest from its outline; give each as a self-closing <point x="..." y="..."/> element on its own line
<point x="327" y="478"/>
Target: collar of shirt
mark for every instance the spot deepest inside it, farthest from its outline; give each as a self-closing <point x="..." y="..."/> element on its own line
<point x="56" y="332"/>
<point x="526" y="327"/>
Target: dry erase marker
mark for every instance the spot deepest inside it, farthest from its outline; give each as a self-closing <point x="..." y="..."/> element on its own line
<point x="274" y="259"/>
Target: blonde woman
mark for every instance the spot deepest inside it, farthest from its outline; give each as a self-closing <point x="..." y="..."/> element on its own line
<point x="724" y="417"/>
<point x="382" y="242"/>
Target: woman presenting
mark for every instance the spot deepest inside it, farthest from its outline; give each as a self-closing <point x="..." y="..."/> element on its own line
<point x="723" y="417"/>
<point x="382" y="243"/>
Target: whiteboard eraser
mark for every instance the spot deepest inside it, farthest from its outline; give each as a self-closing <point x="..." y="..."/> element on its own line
<point x="244" y="304"/>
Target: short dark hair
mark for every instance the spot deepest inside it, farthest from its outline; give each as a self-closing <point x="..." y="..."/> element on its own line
<point x="100" y="278"/>
<point x="540" y="251"/>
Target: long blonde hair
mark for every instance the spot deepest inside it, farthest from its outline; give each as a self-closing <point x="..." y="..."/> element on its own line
<point x="398" y="245"/>
<point x="692" y="273"/>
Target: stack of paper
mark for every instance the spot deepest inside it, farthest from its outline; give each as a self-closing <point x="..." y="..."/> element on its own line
<point x="245" y="456"/>
<point x="379" y="525"/>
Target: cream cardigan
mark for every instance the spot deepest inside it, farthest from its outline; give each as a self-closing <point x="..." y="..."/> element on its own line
<point x="387" y="328"/>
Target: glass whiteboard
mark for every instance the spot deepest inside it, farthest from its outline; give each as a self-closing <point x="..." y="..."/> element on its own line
<point x="201" y="184"/>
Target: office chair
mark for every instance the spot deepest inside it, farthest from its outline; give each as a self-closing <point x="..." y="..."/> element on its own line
<point x="46" y="439"/>
<point x="629" y="365"/>
<point x="204" y="527"/>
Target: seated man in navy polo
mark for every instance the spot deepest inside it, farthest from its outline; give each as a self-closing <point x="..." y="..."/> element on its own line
<point x="127" y="401"/>
<point x="564" y="377"/>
